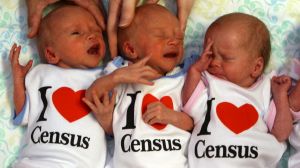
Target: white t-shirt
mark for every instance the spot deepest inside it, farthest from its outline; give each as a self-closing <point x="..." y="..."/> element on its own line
<point x="140" y="145"/>
<point x="61" y="131"/>
<point x="231" y="125"/>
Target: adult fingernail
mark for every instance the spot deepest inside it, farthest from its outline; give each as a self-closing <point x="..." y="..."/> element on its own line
<point x="124" y="22"/>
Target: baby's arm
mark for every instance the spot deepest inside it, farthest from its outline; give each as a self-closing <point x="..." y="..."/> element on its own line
<point x="103" y="110"/>
<point x="157" y="112"/>
<point x="294" y="98"/>
<point x="134" y="73"/>
<point x="194" y="73"/>
<point x="283" y="121"/>
<point x="19" y="72"/>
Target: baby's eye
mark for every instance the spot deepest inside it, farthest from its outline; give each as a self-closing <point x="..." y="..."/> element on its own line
<point x="228" y="58"/>
<point x="160" y="35"/>
<point x="75" y="33"/>
<point x="180" y="37"/>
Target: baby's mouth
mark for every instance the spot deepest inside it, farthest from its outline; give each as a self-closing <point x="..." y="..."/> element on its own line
<point x="94" y="49"/>
<point x="171" y="55"/>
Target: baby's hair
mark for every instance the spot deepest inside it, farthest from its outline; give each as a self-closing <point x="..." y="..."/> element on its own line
<point x="256" y="33"/>
<point x="44" y="30"/>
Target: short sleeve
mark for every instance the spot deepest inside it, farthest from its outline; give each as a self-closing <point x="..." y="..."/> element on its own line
<point x="196" y="105"/>
<point x="111" y="66"/>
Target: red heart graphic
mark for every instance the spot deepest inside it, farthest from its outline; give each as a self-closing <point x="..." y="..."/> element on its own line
<point x="237" y="119"/>
<point x="166" y="100"/>
<point x="69" y="104"/>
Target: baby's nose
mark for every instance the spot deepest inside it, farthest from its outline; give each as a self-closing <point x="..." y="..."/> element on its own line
<point x="215" y="62"/>
<point x="91" y="36"/>
<point x="174" y="41"/>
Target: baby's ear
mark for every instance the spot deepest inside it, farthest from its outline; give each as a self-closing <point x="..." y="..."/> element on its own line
<point x="129" y="51"/>
<point x="50" y="56"/>
<point x="258" y="68"/>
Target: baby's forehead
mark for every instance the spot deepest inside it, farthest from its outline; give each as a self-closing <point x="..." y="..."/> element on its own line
<point x="66" y="13"/>
<point x="152" y="13"/>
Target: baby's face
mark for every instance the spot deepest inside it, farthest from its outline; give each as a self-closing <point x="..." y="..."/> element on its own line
<point x="232" y="58"/>
<point x="162" y="40"/>
<point x="76" y="38"/>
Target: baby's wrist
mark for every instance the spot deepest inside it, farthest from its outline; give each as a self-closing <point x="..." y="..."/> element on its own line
<point x="279" y="96"/>
<point x="195" y="70"/>
<point x="116" y="78"/>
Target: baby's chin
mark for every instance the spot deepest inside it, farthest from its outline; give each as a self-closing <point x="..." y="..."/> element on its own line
<point x="164" y="71"/>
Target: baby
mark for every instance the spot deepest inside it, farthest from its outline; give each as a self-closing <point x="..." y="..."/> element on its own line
<point x="236" y="122"/>
<point x="61" y="131"/>
<point x="148" y="127"/>
<point x="294" y="139"/>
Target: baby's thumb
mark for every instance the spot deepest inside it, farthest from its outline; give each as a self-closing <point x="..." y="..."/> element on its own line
<point x="28" y="66"/>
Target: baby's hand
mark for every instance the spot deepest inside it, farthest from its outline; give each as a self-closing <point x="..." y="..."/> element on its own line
<point x="205" y="58"/>
<point x="18" y="71"/>
<point x="102" y="110"/>
<point x="134" y="73"/>
<point x="157" y="112"/>
<point x="138" y="72"/>
<point x="280" y="85"/>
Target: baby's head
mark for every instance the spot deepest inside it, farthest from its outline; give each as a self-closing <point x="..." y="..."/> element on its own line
<point x="154" y="32"/>
<point x="69" y="37"/>
<point x="241" y="48"/>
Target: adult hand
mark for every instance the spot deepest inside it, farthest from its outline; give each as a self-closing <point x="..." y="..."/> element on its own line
<point x="36" y="7"/>
<point x="124" y="10"/>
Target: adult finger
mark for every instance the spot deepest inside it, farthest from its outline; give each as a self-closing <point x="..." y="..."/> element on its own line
<point x="184" y="9"/>
<point x="127" y="12"/>
<point x="95" y="9"/>
<point x="113" y="18"/>
<point x="35" y="11"/>
<point x="151" y="1"/>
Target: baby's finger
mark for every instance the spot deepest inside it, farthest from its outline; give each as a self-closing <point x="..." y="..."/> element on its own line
<point x="149" y="75"/>
<point x="148" y="116"/>
<point x="28" y="66"/>
<point x="96" y="100"/>
<point x="12" y="51"/>
<point x="145" y="82"/>
<point x="89" y="104"/>
<point x="113" y="98"/>
<point x="154" y="121"/>
<point x="141" y="62"/>
<point x="105" y="99"/>
<point x="16" y="54"/>
<point x="208" y="45"/>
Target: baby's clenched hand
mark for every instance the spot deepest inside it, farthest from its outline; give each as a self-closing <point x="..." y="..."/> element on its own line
<point x="280" y="85"/>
